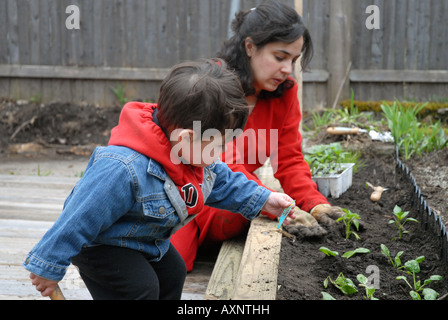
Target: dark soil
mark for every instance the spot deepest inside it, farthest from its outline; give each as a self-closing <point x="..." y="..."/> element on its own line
<point x="62" y="128"/>
<point x="303" y="268"/>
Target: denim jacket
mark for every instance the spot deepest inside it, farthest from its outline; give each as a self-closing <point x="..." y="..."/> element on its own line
<point x="126" y="199"/>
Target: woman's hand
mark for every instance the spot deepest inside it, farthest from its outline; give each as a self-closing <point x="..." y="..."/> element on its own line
<point x="44" y="286"/>
<point x="277" y="202"/>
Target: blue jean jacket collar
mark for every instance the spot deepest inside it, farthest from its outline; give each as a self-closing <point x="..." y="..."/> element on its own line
<point x="156" y="169"/>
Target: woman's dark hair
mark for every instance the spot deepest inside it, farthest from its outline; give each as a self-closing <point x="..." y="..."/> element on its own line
<point x="269" y="22"/>
<point x="205" y="91"/>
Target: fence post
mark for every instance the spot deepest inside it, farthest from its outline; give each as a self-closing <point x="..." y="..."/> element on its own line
<point x="339" y="51"/>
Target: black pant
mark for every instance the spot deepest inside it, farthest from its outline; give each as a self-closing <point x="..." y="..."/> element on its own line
<point x="114" y="273"/>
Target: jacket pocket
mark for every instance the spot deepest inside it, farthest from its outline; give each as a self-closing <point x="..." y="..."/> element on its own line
<point x="159" y="213"/>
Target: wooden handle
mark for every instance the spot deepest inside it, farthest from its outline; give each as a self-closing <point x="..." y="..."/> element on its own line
<point x="57" y="294"/>
<point x="341" y="130"/>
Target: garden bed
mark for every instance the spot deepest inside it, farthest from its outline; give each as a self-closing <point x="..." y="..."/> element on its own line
<point x="60" y="128"/>
<point x="303" y="268"/>
<point x="33" y="129"/>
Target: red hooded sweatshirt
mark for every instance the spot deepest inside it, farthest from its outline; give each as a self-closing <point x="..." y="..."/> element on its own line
<point x="137" y="129"/>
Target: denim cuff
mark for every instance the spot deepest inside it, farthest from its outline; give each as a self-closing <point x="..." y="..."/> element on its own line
<point x="256" y="203"/>
<point x="44" y="269"/>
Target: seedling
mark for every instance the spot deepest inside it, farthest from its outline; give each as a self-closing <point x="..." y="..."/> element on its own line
<point x="400" y="219"/>
<point x="349" y="218"/>
<point x="413" y="267"/>
<point x="396" y="262"/>
<point x="401" y="120"/>
<point x="345" y="285"/>
<point x="369" y="290"/>
<point x="329" y="252"/>
<point x="350" y="254"/>
<point x="346" y="255"/>
<point x="410" y="135"/>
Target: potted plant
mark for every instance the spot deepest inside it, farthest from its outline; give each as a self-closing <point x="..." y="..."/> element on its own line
<point x="331" y="168"/>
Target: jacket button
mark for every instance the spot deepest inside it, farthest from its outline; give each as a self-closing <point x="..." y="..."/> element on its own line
<point x="162" y="210"/>
<point x="208" y="178"/>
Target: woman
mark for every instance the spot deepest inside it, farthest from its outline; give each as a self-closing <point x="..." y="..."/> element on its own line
<point x="267" y="42"/>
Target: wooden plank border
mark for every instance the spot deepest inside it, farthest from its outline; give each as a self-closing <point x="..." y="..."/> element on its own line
<point x="248" y="270"/>
<point x="258" y="272"/>
<point x="222" y="281"/>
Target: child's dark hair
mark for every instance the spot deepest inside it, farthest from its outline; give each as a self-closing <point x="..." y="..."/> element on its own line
<point x="205" y="91"/>
<point x="269" y="22"/>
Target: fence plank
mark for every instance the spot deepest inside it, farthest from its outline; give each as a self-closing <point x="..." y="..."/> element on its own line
<point x="127" y="36"/>
<point x="86" y="73"/>
<point x="416" y="76"/>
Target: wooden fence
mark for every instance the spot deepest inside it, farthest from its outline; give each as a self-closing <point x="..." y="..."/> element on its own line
<point x="132" y="43"/>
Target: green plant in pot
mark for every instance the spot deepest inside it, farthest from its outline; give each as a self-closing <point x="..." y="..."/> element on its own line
<point x="328" y="159"/>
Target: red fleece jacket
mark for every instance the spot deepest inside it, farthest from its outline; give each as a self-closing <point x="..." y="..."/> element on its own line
<point x="282" y="114"/>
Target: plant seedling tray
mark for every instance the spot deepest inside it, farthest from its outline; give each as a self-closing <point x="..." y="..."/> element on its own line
<point x="335" y="185"/>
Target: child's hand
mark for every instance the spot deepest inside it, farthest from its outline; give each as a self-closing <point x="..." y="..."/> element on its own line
<point x="44" y="286"/>
<point x="277" y="202"/>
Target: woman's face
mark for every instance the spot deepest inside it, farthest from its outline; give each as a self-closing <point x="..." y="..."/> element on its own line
<point x="273" y="63"/>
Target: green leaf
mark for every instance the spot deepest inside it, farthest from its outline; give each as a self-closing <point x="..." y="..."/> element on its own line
<point x="436" y="278"/>
<point x="431" y="279"/>
<point x="327" y="296"/>
<point x="397" y="259"/>
<point x="385" y="250"/>
<point x="346" y="285"/>
<point x="397" y="209"/>
<point x="420" y="259"/>
<point x="404" y="279"/>
<point x="326" y="282"/>
<point x="349" y="254"/>
<point x="430" y="294"/>
<point x="417" y="285"/>
<point x="412" y="266"/>
<point x="370" y="291"/>
<point x="348" y="289"/>
<point x="414" y="295"/>
<point x="328" y="252"/>
<point x="362" y="279"/>
<point x="403" y="215"/>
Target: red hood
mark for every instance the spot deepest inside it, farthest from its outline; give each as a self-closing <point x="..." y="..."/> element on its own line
<point x="137" y="130"/>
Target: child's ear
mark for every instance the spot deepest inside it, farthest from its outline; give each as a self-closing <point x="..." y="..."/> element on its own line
<point x="187" y="134"/>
